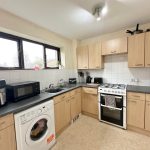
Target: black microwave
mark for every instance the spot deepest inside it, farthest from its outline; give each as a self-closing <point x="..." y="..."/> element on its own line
<point x="21" y="90"/>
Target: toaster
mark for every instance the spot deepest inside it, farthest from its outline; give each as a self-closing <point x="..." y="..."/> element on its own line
<point x="72" y="80"/>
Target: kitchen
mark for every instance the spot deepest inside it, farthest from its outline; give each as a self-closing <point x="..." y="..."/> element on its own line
<point x="78" y="115"/>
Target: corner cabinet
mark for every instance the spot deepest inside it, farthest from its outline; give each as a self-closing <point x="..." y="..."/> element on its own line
<point x="95" y="56"/>
<point x="7" y="133"/>
<point x="82" y="57"/>
<point x="136" y="50"/>
<point x="114" y="46"/>
<point x="147" y="49"/>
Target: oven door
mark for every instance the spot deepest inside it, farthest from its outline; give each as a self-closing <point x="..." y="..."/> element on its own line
<point x="109" y="114"/>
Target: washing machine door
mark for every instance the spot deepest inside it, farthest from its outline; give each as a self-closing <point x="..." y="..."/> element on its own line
<point x="39" y="130"/>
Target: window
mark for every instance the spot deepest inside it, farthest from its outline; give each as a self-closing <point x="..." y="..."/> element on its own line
<point x="33" y="55"/>
<point x="8" y="53"/>
<point x="20" y="53"/>
<point x="52" y="58"/>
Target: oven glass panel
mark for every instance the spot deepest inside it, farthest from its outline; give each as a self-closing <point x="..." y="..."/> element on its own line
<point x="24" y="91"/>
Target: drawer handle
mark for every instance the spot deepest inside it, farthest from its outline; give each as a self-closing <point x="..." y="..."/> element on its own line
<point x="132" y="101"/>
<point x="2" y="123"/>
<point x="138" y="64"/>
<point x="136" y="96"/>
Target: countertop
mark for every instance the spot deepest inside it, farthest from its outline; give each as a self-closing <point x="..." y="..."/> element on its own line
<point x="42" y="97"/>
<point x="138" y="88"/>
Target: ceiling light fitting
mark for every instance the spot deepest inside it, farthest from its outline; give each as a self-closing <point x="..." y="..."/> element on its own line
<point x="99" y="11"/>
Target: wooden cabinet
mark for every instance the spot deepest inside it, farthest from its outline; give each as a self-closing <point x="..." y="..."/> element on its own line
<point x="90" y="101"/>
<point x="67" y="111"/>
<point x="136" y="109"/>
<point x="7" y="133"/>
<point x="147" y="113"/>
<point x="115" y="46"/>
<point x="76" y="103"/>
<point x="136" y="50"/>
<point x="82" y="57"/>
<point x="95" y="57"/>
<point x="147" y="49"/>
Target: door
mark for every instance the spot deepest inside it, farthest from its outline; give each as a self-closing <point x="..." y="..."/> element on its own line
<point x="59" y="110"/>
<point x="95" y="57"/>
<point x="73" y="107"/>
<point x="78" y="101"/>
<point x="136" y="50"/>
<point x="67" y="111"/>
<point x="90" y="103"/>
<point x="7" y="138"/>
<point x="82" y="57"/>
<point x="38" y="130"/>
<point x="147" y="113"/>
<point x="147" y="49"/>
<point x="135" y="112"/>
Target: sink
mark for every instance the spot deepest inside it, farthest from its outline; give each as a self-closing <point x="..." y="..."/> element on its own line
<point x="54" y="90"/>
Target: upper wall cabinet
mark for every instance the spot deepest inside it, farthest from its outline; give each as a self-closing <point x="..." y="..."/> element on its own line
<point x="95" y="56"/>
<point x="82" y="57"/>
<point x="136" y="50"/>
<point x="115" y="46"/>
<point x="147" y="49"/>
<point x="89" y="57"/>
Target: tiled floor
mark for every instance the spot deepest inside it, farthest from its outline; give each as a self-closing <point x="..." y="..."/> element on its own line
<point x="90" y="134"/>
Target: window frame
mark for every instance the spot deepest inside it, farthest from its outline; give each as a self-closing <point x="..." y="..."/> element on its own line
<point x="19" y="41"/>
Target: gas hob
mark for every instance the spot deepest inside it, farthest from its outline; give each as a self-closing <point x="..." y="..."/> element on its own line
<point x="116" y="89"/>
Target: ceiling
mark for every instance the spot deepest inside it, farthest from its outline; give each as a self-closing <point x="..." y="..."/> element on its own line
<point x="73" y="18"/>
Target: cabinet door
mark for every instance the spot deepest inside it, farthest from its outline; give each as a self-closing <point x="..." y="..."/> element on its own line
<point x="90" y="103"/>
<point x="147" y="116"/>
<point x="95" y="57"/>
<point x="59" y="109"/>
<point x="136" y="50"/>
<point x="7" y="138"/>
<point x="135" y="112"/>
<point x="114" y="46"/>
<point x="147" y="50"/>
<point x="73" y="107"/>
<point x="67" y="112"/>
<point x="82" y="57"/>
<point x="78" y="101"/>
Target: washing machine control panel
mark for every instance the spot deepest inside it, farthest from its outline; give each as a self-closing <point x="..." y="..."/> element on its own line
<point x="33" y="113"/>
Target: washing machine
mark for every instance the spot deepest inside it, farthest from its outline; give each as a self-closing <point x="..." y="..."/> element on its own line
<point x="35" y="127"/>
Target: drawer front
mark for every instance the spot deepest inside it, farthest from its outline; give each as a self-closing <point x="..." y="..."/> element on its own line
<point x="137" y="96"/>
<point x="147" y="97"/>
<point x="90" y="90"/>
<point x="6" y="121"/>
<point x="61" y="97"/>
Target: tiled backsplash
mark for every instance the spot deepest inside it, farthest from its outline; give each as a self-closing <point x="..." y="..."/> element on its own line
<point x="45" y="77"/>
<point x="116" y="71"/>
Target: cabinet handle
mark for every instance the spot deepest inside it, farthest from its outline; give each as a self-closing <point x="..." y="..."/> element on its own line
<point x="97" y="66"/>
<point x="138" y="64"/>
<point x="133" y="101"/>
<point x="2" y="123"/>
<point x="136" y="96"/>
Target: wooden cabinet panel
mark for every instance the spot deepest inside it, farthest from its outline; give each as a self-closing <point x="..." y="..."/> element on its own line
<point x="136" y="50"/>
<point x="90" y="103"/>
<point x="135" y="113"/>
<point x="82" y="57"/>
<point x="115" y="46"/>
<point x="78" y="99"/>
<point x="95" y="57"/>
<point x="67" y="112"/>
<point x="73" y="107"/>
<point x="7" y="138"/>
<point x="137" y="96"/>
<point x="89" y="90"/>
<point x="147" y="116"/>
<point x="59" y="110"/>
<point x="147" y="49"/>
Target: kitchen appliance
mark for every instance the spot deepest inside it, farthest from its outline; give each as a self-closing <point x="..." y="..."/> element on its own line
<point x="72" y="80"/>
<point x="137" y="31"/>
<point x="22" y="90"/>
<point x="81" y="77"/>
<point x="88" y="79"/>
<point x="115" y="115"/>
<point x="35" y="127"/>
<point x="2" y="92"/>
<point x="98" y="80"/>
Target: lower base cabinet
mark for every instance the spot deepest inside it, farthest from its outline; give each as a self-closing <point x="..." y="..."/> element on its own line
<point x="7" y="133"/>
<point x="147" y="113"/>
<point x="90" y="101"/>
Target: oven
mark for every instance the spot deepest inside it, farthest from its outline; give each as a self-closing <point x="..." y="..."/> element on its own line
<point x="113" y="115"/>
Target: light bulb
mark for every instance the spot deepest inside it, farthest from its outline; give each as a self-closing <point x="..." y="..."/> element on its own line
<point x="98" y="18"/>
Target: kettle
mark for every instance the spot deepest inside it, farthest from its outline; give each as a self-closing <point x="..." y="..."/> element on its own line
<point x="88" y="79"/>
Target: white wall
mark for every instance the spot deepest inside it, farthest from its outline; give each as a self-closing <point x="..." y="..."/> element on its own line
<point x="116" y="71"/>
